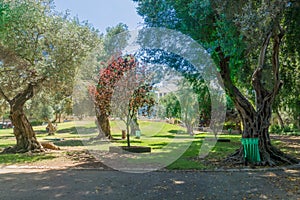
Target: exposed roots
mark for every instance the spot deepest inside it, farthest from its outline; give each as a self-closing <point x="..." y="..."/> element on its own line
<point x="270" y="156"/>
<point x="18" y="149"/>
<point x="279" y="157"/>
<point x="236" y="158"/>
<point x="101" y="138"/>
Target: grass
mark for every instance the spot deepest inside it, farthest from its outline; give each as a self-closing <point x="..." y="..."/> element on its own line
<point x="9" y="159"/>
<point x="291" y="150"/>
<point x="157" y="135"/>
<point x="189" y="160"/>
<point x="7" y="138"/>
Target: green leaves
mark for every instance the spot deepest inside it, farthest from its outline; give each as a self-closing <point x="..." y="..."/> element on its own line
<point x="40" y="47"/>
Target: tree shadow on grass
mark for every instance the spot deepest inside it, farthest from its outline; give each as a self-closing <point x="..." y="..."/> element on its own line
<point x="71" y="130"/>
<point x="158" y="145"/>
<point x="23" y="158"/>
<point x="164" y="136"/>
<point x="77" y="130"/>
<point x="125" y="141"/>
<point x="6" y="137"/>
<point x="3" y="146"/>
<point x="177" y="131"/>
<point x="72" y="143"/>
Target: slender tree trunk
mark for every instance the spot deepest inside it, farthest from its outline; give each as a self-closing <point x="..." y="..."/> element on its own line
<point x="59" y="117"/>
<point x="56" y="117"/>
<point x="134" y="126"/>
<point x="190" y="129"/>
<point x="128" y="133"/>
<point x="103" y="125"/>
<point x="280" y="120"/>
<point x="50" y="127"/>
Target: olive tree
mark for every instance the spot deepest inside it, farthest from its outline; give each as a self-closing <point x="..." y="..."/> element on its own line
<point x="40" y="50"/>
<point x="244" y="39"/>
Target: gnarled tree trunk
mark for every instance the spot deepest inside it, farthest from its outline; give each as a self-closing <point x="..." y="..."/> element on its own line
<point x="25" y="136"/>
<point x="103" y="125"/>
<point x="51" y="129"/>
<point x="256" y="121"/>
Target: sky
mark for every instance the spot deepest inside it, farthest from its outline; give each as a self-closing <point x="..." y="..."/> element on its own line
<point x="102" y="13"/>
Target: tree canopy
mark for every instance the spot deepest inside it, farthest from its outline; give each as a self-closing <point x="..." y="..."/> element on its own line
<point x="40" y="50"/>
<point x="244" y="39"/>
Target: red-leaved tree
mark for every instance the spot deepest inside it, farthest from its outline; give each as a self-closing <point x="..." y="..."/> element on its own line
<point x="103" y="91"/>
<point x="130" y="95"/>
<point x="122" y="82"/>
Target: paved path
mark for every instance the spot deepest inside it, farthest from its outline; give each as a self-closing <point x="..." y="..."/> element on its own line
<point x="75" y="184"/>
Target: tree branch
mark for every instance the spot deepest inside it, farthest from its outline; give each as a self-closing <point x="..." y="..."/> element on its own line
<point x="4" y="96"/>
<point x="275" y="63"/>
<point x="240" y="101"/>
<point x="28" y="93"/>
<point x="260" y="91"/>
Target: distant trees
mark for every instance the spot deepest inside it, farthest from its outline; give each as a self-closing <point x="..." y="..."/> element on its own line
<point x="183" y="104"/>
<point x="170" y="106"/>
<point x="189" y="107"/>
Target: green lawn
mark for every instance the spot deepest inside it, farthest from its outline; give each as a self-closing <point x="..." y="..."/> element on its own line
<point x="8" y="159"/>
<point x="160" y="136"/>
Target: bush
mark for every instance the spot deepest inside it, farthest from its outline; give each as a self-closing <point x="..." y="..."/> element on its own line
<point x="36" y="123"/>
<point x="293" y="127"/>
<point x="275" y="128"/>
<point x="230" y="126"/>
<point x="290" y="129"/>
<point x="287" y="129"/>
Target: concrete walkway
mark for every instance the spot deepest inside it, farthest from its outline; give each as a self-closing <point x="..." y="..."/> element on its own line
<point x="82" y="184"/>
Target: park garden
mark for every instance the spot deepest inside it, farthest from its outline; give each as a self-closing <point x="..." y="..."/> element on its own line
<point x="69" y="92"/>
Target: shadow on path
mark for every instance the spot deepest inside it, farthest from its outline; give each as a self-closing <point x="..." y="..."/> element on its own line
<point x="100" y="184"/>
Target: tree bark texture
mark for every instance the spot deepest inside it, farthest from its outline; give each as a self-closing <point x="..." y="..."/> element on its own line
<point x="256" y="121"/>
<point x="25" y="136"/>
<point x="103" y="124"/>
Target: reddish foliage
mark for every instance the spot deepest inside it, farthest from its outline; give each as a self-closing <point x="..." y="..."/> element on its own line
<point x="141" y="97"/>
<point x="110" y="77"/>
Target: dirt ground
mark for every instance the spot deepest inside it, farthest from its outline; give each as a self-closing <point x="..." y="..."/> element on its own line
<point x="75" y="165"/>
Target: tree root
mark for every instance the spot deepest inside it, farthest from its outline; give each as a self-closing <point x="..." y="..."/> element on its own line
<point x="281" y="157"/>
<point x="101" y="137"/>
<point x="236" y="158"/>
<point x="17" y="149"/>
<point x="270" y="156"/>
<point x="49" y="145"/>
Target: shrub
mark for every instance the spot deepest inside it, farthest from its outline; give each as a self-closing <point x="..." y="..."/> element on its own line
<point x="36" y="123"/>
<point x="275" y="128"/>
<point x="290" y="129"/>
<point x="230" y="125"/>
<point x="287" y="129"/>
